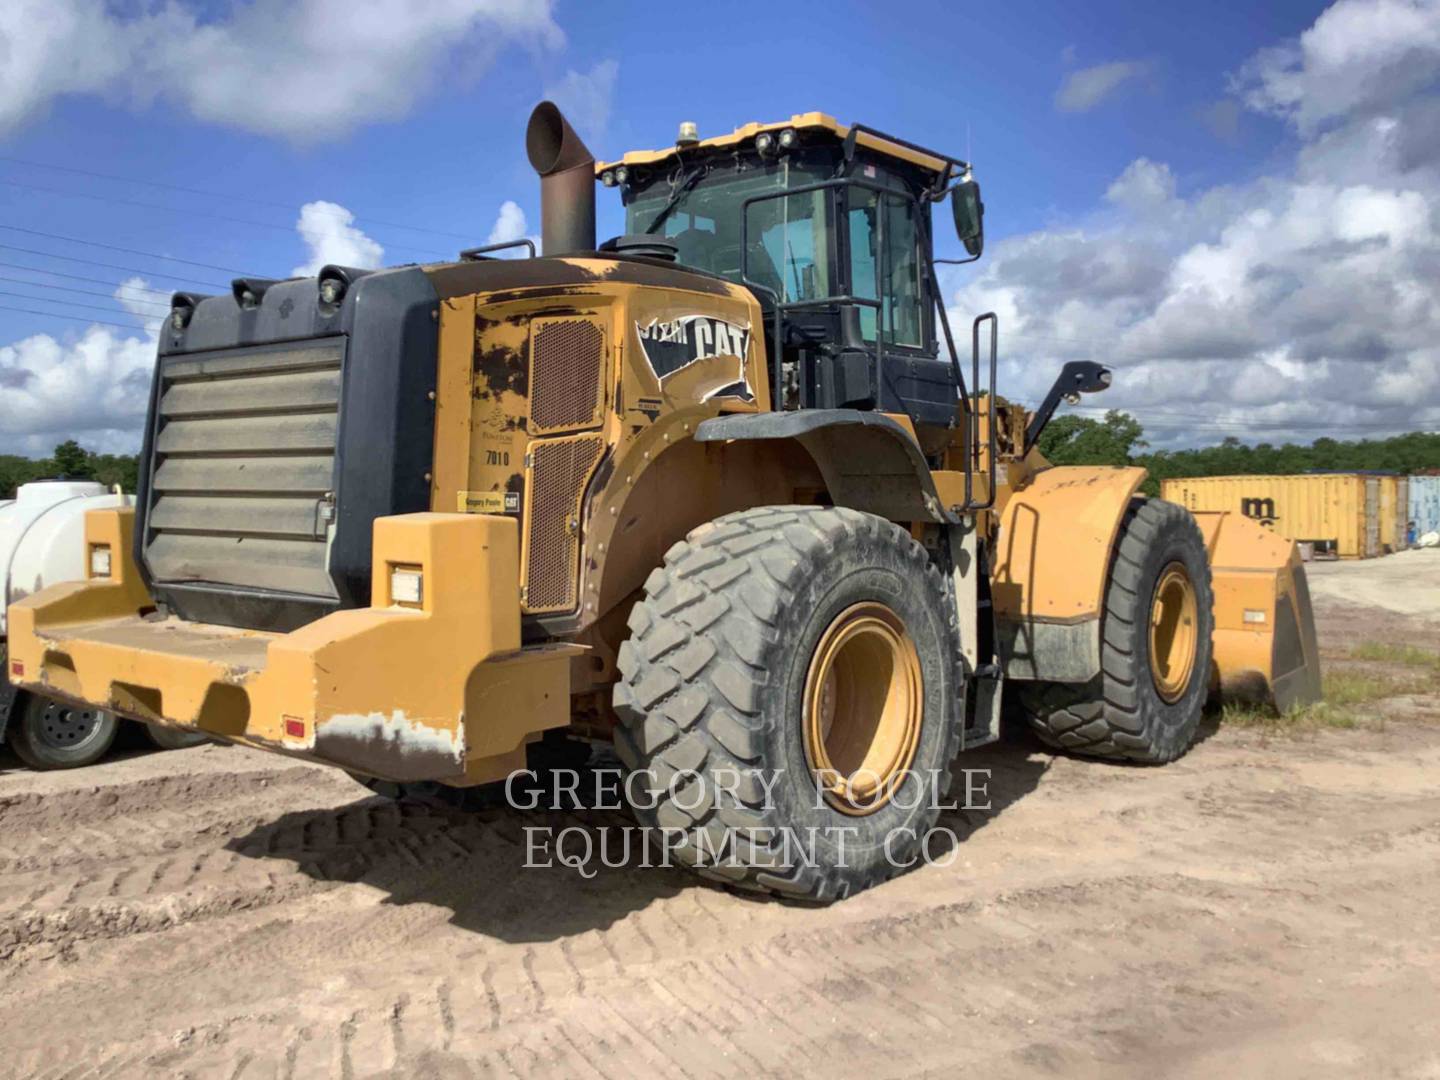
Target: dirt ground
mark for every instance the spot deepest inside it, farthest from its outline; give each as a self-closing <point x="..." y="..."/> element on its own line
<point x="1266" y="906"/>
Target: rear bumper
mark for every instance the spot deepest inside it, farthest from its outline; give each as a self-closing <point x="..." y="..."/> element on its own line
<point x="442" y="691"/>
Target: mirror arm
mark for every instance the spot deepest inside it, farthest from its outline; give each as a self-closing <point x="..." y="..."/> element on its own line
<point x="1075" y="378"/>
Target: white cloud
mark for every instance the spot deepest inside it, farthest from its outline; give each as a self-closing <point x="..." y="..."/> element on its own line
<point x="586" y="98"/>
<point x="1294" y="305"/>
<point x="509" y="224"/>
<point x="1359" y="56"/>
<point x="1144" y="185"/>
<point x="93" y="388"/>
<point x="305" y="70"/>
<point x="1086" y="88"/>
<point x="330" y="234"/>
<point x="136" y="297"/>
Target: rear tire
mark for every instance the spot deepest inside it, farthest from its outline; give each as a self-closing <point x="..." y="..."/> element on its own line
<point x="1146" y="702"/>
<point x="50" y="734"/>
<point x="772" y="638"/>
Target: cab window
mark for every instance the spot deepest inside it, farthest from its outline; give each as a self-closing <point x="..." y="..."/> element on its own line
<point x="897" y="266"/>
<point x="788" y="237"/>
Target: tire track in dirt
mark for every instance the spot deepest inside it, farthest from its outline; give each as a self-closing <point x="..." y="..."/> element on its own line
<point x="265" y="920"/>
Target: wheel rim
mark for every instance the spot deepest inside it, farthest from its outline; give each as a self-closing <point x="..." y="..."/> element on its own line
<point x="863" y="702"/>
<point x="65" y="727"/>
<point x="1174" y="630"/>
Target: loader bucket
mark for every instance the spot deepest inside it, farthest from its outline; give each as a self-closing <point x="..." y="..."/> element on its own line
<point x="1265" y="647"/>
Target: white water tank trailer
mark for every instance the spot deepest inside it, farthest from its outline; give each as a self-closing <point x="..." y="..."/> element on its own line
<point x="42" y="543"/>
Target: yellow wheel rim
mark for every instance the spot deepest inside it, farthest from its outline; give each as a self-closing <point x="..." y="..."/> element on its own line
<point x="864" y="697"/>
<point x="1174" y="628"/>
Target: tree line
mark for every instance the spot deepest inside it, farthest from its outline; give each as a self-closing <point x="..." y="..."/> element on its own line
<point x="70" y="461"/>
<point x="1119" y="439"/>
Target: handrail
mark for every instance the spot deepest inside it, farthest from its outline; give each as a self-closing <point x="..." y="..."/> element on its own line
<point x="974" y="433"/>
<point x="478" y="254"/>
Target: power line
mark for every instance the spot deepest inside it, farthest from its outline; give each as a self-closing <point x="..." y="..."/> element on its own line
<point x="127" y="250"/>
<point x="69" y="304"/>
<point x="229" y="196"/>
<point x="83" y="292"/>
<point x="251" y="222"/>
<point x="72" y="318"/>
<point x="113" y="266"/>
<point x="79" y="277"/>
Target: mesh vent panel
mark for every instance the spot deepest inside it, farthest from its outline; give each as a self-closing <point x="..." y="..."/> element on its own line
<point x="566" y="357"/>
<point x="559" y="470"/>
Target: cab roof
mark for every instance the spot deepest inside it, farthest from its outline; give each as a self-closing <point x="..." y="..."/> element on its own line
<point x="812" y="121"/>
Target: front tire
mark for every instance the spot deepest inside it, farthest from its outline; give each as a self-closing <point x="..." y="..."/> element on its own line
<point x="50" y="734"/>
<point x="790" y="700"/>
<point x="1157" y="630"/>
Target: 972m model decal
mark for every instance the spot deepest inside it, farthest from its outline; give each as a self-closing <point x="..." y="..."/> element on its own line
<point x="676" y="345"/>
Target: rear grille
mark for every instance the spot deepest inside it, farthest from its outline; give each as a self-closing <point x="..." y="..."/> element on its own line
<point x="244" y="467"/>
<point x="559" y="471"/>
<point x="566" y="362"/>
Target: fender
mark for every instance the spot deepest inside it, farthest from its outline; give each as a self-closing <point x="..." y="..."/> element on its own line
<point x="868" y="461"/>
<point x="1051" y="561"/>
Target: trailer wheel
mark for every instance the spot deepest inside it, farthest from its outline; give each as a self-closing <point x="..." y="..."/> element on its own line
<point x="790" y="701"/>
<point x="1156" y="646"/>
<point x="51" y="734"/>
<point x="168" y="738"/>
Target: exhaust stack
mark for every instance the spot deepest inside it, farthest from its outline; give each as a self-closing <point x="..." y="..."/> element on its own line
<point x="567" y="182"/>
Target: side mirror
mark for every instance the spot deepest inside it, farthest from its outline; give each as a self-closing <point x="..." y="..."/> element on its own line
<point x="969" y="214"/>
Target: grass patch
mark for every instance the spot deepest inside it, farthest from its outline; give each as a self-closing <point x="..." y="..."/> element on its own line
<point x="1263" y="718"/>
<point x="1343" y="688"/>
<point x="1344" y="692"/>
<point x="1389" y="653"/>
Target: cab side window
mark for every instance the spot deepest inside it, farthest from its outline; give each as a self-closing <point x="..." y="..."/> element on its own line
<point x="897" y="266"/>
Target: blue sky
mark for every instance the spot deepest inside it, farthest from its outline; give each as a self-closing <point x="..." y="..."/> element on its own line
<point x="1121" y="147"/>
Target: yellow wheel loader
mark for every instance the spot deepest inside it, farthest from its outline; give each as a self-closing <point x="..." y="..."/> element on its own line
<point x="721" y="491"/>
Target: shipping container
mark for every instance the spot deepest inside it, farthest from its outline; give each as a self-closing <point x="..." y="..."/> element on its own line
<point x="1392" y="515"/>
<point x="1372" y="516"/>
<point x="1402" y="514"/>
<point x="1337" y="513"/>
<point x="1425" y="504"/>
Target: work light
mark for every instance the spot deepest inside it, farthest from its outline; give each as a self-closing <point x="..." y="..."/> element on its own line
<point x="99" y="560"/>
<point x="407" y="585"/>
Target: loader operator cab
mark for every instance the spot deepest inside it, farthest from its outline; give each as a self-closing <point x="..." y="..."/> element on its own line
<point x="830" y="227"/>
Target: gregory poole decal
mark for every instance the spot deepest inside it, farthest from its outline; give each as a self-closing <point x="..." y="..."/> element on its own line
<point x="697" y="356"/>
